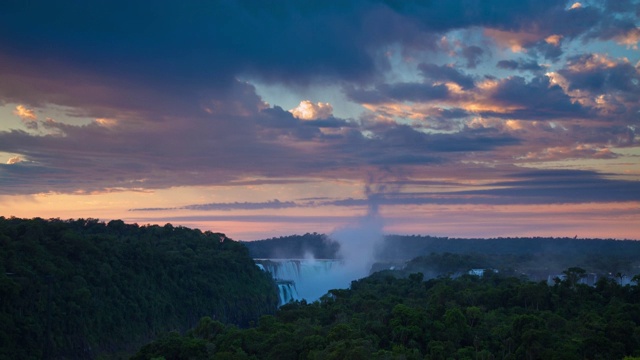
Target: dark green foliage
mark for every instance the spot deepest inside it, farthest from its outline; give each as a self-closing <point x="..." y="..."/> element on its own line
<point x="537" y="257"/>
<point x="534" y="268"/>
<point x="294" y="247"/>
<point x="82" y="288"/>
<point x="386" y="316"/>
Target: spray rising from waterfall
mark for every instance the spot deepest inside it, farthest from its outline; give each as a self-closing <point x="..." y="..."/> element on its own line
<point x="311" y="278"/>
<point x="358" y="244"/>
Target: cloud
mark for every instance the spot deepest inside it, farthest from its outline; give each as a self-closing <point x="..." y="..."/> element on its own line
<point x="621" y="28"/>
<point x="25" y="113"/>
<point x="515" y="41"/>
<point x="273" y="204"/>
<point x="307" y="110"/>
<point x="143" y="145"/>
<point x="629" y="38"/>
<point x="519" y="65"/>
<point x="209" y="45"/>
<point x="171" y="90"/>
<point x="548" y="50"/>
<point x="537" y="98"/>
<point x="405" y="91"/>
<point x="609" y="86"/>
<point x="621" y="6"/>
<point x="14" y="160"/>
<point x="473" y="55"/>
<point x="269" y="143"/>
<point x="403" y="137"/>
<point x="553" y="40"/>
<point x="446" y="73"/>
<point x="567" y="186"/>
<point x="529" y="187"/>
<point x="570" y="152"/>
<point x="598" y="73"/>
<point x="524" y="187"/>
<point x="28" y="116"/>
<point x="575" y="5"/>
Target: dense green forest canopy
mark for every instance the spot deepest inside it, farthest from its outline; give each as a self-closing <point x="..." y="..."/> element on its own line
<point x="386" y="316"/>
<point x="535" y="257"/>
<point x="82" y="288"/>
<point x="530" y="266"/>
<point x="314" y="245"/>
<point x="406" y="247"/>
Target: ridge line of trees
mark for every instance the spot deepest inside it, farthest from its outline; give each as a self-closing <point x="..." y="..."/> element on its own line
<point x="385" y="316"/>
<point x="82" y="288"/>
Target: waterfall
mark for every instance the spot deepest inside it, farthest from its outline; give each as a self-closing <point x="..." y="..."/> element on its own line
<point x="299" y="279"/>
<point x="288" y="291"/>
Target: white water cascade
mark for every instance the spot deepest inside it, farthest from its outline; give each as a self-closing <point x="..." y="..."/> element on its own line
<point x="307" y="279"/>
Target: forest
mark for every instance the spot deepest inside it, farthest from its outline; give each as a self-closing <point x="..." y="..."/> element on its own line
<point x="83" y="289"/>
<point x="386" y="316"/>
<point x="535" y="257"/>
<point x="320" y="246"/>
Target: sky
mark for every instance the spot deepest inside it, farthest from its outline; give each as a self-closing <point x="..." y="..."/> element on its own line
<point x="460" y="118"/>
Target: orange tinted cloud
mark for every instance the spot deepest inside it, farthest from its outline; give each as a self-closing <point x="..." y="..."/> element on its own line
<point x="516" y="41"/>
<point x="307" y="110"/>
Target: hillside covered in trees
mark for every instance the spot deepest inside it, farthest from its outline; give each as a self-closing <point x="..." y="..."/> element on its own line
<point x="535" y="257"/>
<point x="469" y="317"/>
<point x="407" y="247"/>
<point x="83" y="288"/>
<point x="315" y="245"/>
<point x="87" y="289"/>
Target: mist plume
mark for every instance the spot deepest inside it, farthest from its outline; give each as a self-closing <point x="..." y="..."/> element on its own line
<point x="358" y="241"/>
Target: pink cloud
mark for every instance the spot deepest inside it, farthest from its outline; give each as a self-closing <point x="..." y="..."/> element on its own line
<point x="307" y="110"/>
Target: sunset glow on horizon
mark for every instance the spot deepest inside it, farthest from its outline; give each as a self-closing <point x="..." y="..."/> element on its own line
<point x="262" y="119"/>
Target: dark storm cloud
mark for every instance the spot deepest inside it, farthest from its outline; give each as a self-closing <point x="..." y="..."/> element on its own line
<point x="453" y="113"/>
<point x="622" y="6"/>
<point x="566" y="186"/>
<point x="164" y="78"/>
<point x="519" y="65"/>
<point x="14" y="177"/>
<point x="536" y="187"/>
<point x="615" y="83"/>
<point x="97" y="158"/>
<point x="438" y="16"/>
<point x="538" y="98"/>
<point x="445" y="119"/>
<point x="182" y="49"/>
<point x="285" y="123"/>
<point x="599" y="74"/>
<point x="570" y="23"/>
<point x="135" y="152"/>
<point x="404" y="145"/>
<point x="328" y="219"/>
<point x="276" y="117"/>
<point x="548" y="51"/>
<point x="545" y="18"/>
<point x="418" y="92"/>
<point x="330" y="122"/>
<point x="615" y="28"/>
<point x="207" y="44"/>
<point x="471" y="140"/>
<point x="446" y="73"/>
<point x="202" y="44"/>
<point x="508" y="64"/>
<point x="273" y="204"/>
<point x="414" y="92"/>
<point x="473" y="55"/>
